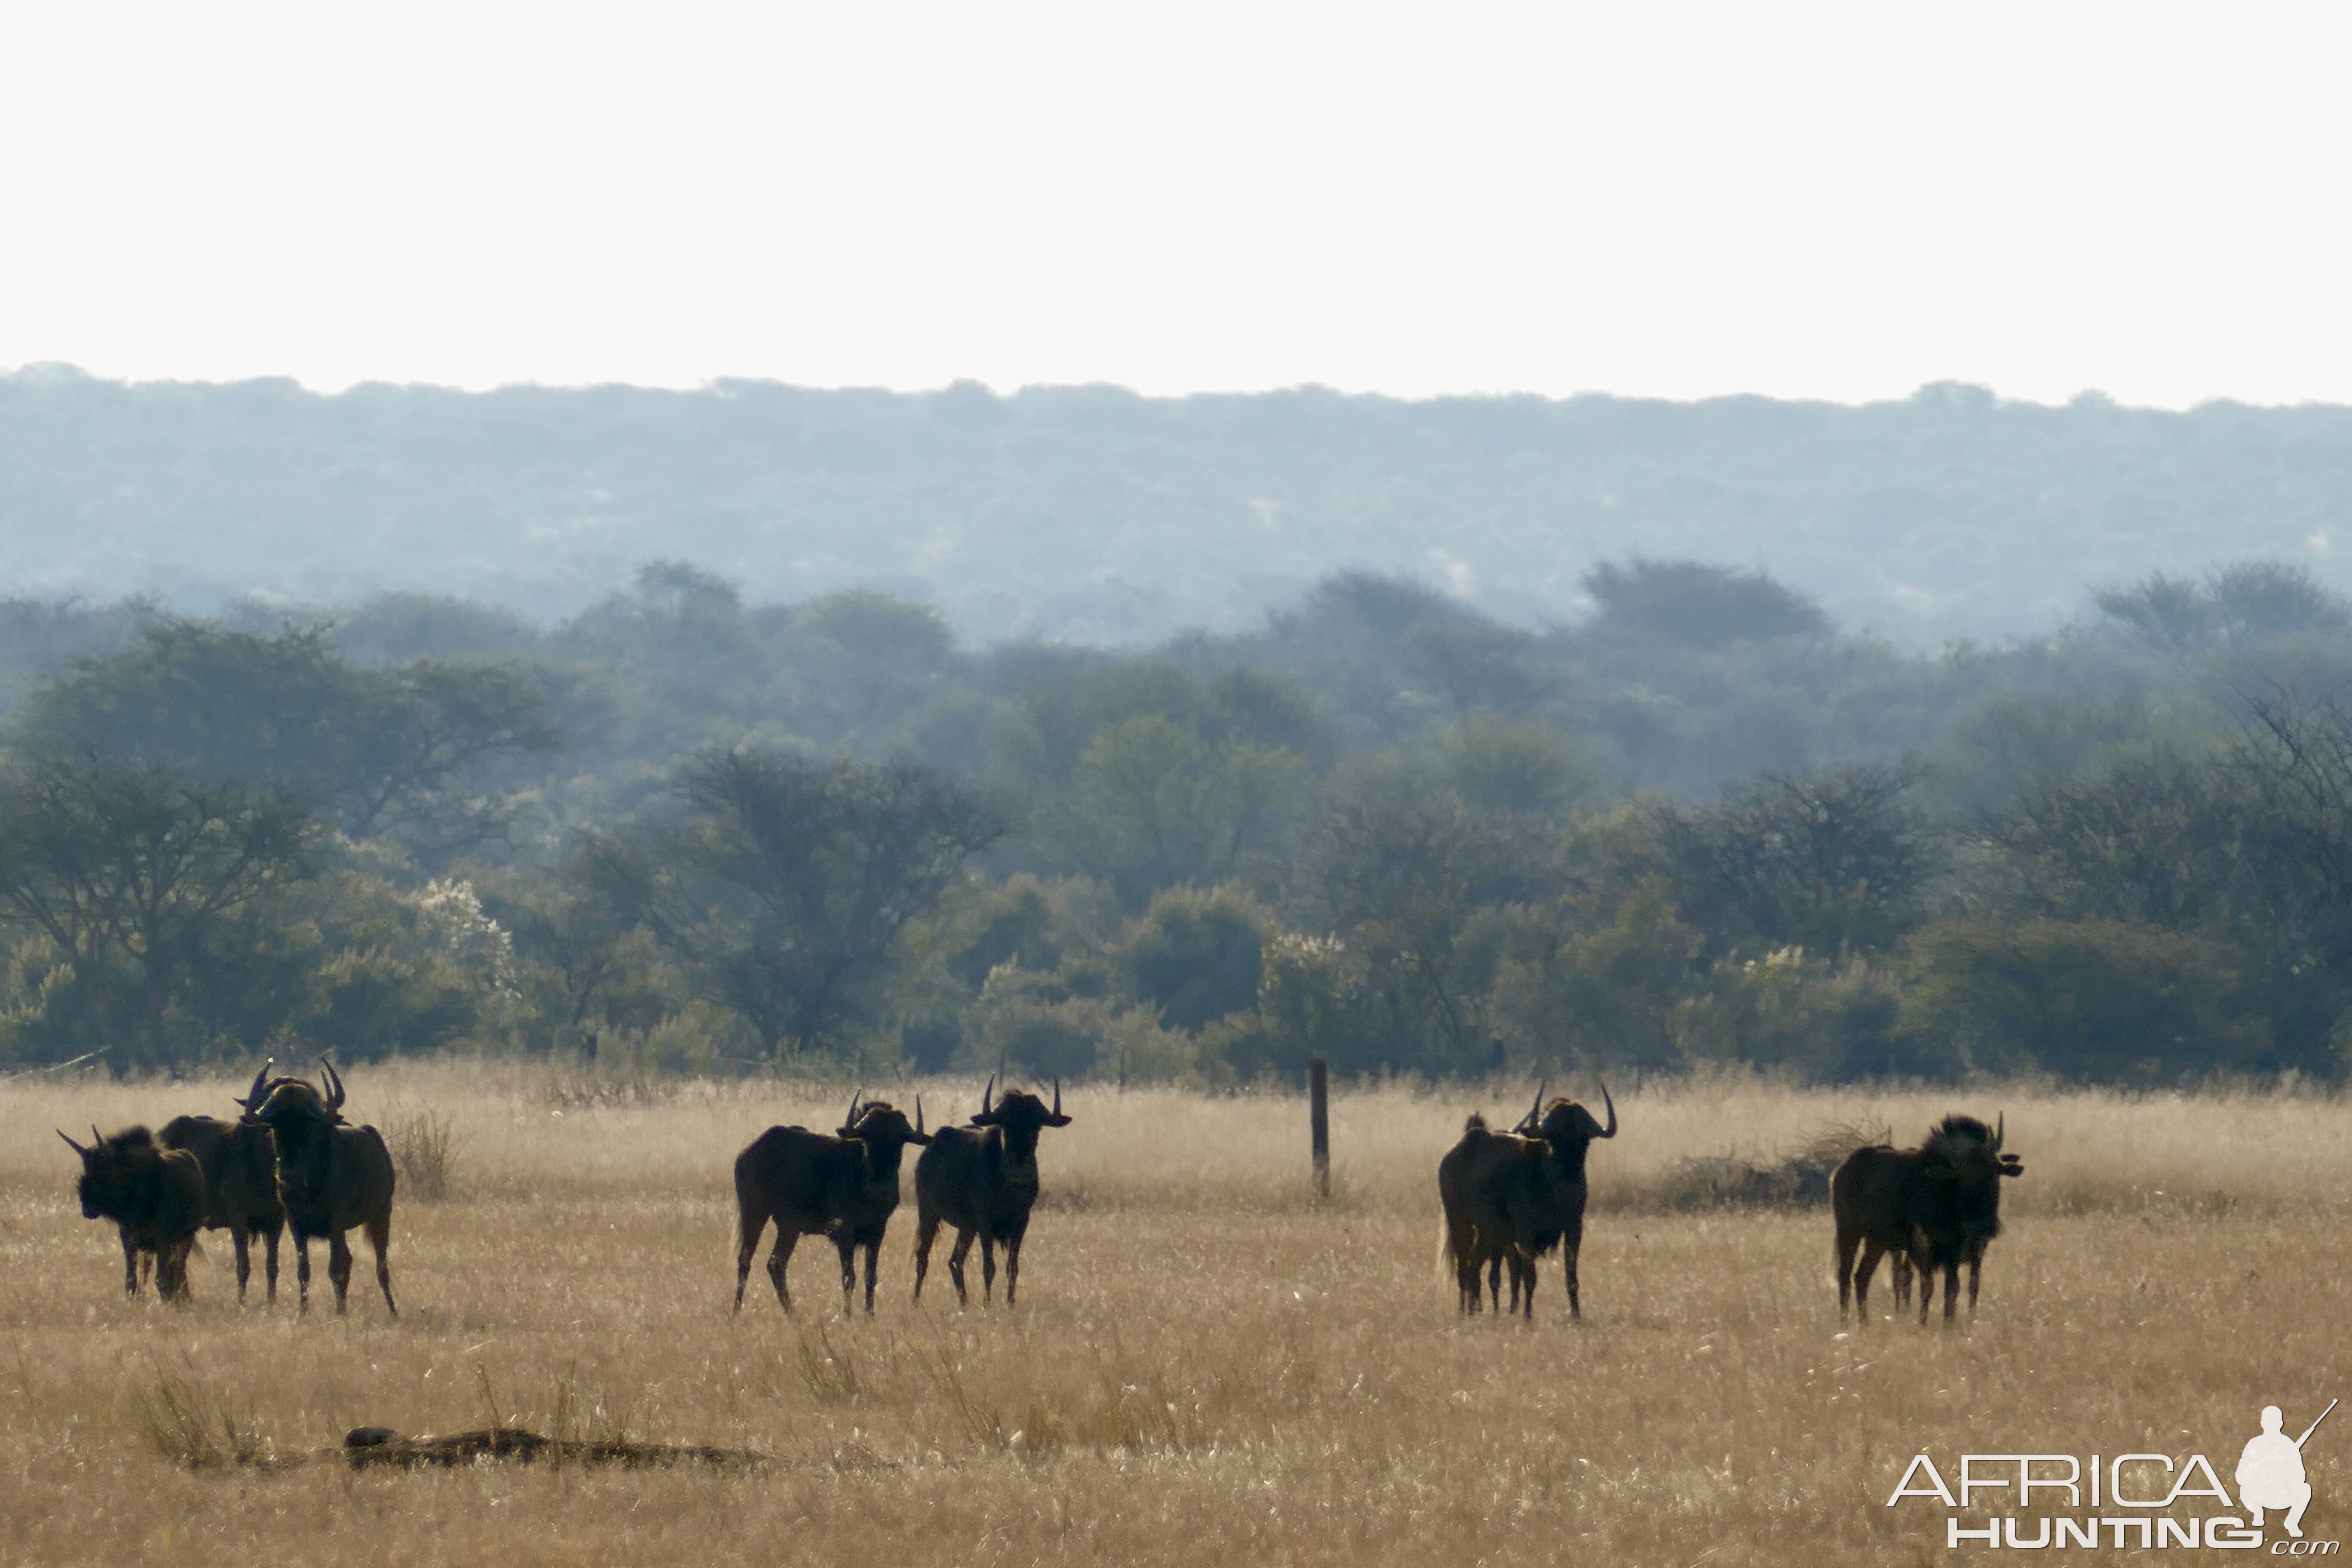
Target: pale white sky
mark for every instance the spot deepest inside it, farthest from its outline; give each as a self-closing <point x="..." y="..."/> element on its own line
<point x="1682" y="200"/>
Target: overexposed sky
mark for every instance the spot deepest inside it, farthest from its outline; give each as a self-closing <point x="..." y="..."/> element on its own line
<point x="1677" y="200"/>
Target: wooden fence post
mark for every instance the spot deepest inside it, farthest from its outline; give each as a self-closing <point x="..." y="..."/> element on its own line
<point x="1318" y="1122"/>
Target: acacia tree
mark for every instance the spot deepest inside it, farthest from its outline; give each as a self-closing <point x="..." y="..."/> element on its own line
<point x="128" y="869"/>
<point x="401" y="752"/>
<point x="789" y="882"/>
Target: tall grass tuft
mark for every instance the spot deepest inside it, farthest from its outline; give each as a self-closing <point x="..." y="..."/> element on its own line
<point x="201" y="1431"/>
<point x="424" y="1144"/>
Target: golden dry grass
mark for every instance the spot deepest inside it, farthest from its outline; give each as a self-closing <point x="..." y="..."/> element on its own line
<point x="1205" y="1367"/>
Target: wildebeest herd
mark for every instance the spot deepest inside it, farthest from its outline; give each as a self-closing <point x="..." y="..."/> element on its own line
<point x="289" y="1160"/>
<point x="1508" y="1198"/>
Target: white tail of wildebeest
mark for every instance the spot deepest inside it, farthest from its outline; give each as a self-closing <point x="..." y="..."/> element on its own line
<point x="331" y="1176"/>
<point x="845" y="1187"/>
<point x="984" y="1184"/>
<point x="1511" y="1197"/>
<point x="155" y="1195"/>
<point x="1936" y="1206"/>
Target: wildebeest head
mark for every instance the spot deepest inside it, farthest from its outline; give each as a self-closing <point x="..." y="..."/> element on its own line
<point x="1567" y="1126"/>
<point x="883" y="1127"/>
<point x="300" y="1121"/>
<point x="266" y="1087"/>
<point x="1021" y="1114"/>
<point x="1964" y="1153"/>
<point x="111" y="1167"/>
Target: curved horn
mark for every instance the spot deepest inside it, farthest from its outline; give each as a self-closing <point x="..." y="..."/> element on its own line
<point x="986" y="1092"/>
<point x="1058" y="1094"/>
<point x="72" y="1145"/>
<point x="1535" y="1111"/>
<point x="853" y="1109"/>
<point x="2001" y="1130"/>
<point x="335" y="1079"/>
<point x="1610" y="1131"/>
<point x="259" y="1078"/>
<point x="918" y="1110"/>
<point x="96" y="1137"/>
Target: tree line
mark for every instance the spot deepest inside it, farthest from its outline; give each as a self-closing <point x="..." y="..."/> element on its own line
<point x="683" y="832"/>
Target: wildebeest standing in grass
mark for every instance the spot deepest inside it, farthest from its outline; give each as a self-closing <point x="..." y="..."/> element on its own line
<point x="1511" y="1198"/>
<point x="332" y="1177"/>
<point x="845" y="1187"/>
<point x="155" y="1195"/>
<point x="240" y="1164"/>
<point x="1936" y="1206"/>
<point x="984" y="1184"/>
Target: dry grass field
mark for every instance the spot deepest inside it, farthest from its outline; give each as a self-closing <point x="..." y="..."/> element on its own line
<point x="1206" y="1367"/>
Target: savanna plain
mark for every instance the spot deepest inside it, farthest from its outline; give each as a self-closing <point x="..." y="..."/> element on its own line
<point x="1207" y="1365"/>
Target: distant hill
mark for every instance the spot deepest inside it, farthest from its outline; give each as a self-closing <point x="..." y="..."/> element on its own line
<point x="1091" y="515"/>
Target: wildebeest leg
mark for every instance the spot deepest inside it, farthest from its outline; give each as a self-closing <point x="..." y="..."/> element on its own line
<point x="1951" y="1291"/>
<point x="379" y="1235"/>
<point x="1494" y="1292"/>
<point x="338" y="1269"/>
<point x="1845" y="1250"/>
<point x="172" y="1269"/>
<point x="1899" y="1265"/>
<point x="1569" y="1248"/>
<point x="130" y="1261"/>
<point x="1523" y="1273"/>
<point x="1871" y="1253"/>
<point x="872" y="1252"/>
<point x="781" y="1259"/>
<point x="244" y="1259"/>
<point x="927" y="1227"/>
<point x="1976" y="1267"/>
<point x="961" y="1250"/>
<point x="1011" y="1262"/>
<point x="846" y="1245"/>
<point x="270" y="1261"/>
<point x="749" y="1224"/>
<point x="302" y="1269"/>
<point x="987" y="1269"/>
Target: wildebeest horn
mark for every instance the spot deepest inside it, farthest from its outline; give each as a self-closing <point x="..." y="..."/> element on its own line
<point x="335" y="1084"/>
<point x="984" y="1093"/>
<point x="853" y="1108"/>
<point x="1610" y="1131"/>
<point x="96" y="1137"/>
<point x="259" y="1079"/>
<point x="1999" y="1130"/>
<point x="74" y="1146"/>
<point x="1058" y="1094"/>
<point x="1535" y="1111"/>
<point x="919" y="1112"/>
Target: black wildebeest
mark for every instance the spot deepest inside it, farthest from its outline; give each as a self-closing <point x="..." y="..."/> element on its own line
<point x="1936" y="1206"/>
<point x="331" y="1177"/>
<point x="984" y="1184"/>
<point x="240" y="1164"/>
<point x="1509" y="1198"/>
<point x="845" y="1187"/>
<point x="155" y="1195"/>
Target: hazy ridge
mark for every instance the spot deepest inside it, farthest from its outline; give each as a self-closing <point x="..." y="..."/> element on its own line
<point x="1091" y="515"/>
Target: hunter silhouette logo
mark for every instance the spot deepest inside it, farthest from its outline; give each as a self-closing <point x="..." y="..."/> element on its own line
<point x="2270" y="1472"/>
<point x="2139" y="1500"/>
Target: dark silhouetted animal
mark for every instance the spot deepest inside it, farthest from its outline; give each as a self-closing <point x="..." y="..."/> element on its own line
<point x="331" y="1177"/>
<point x="1936" y="1206"/>
<point x="845" y="1187"/>
<point x="240" y="1165"/>
<point x="1509" y="1198"/>
<point x="155" y="1195"/>
<point x="984" y="1184"/>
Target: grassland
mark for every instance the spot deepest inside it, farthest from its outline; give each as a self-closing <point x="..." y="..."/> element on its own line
<point x="1206" y="1367"/>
